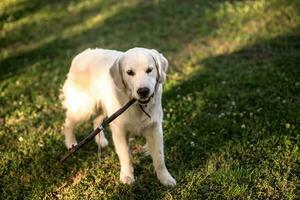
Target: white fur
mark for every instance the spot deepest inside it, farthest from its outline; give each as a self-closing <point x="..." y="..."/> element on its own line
<point x="98" y="85"/>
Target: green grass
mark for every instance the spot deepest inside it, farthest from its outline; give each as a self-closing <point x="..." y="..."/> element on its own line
<point x="231" y="101"/>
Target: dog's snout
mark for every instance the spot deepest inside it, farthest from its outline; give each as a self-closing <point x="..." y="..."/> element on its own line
<point x="143" y="92"/>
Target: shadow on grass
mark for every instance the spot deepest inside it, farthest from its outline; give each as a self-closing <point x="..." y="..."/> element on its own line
<point x="28" y="7"/>
<point x="233" y="100"/>
<point x="46" y="42"/>
<point x="249" y="80"/>
<point x="150" y="23"/>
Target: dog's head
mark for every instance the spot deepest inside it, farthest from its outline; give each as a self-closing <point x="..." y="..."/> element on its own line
<point x="138" y="71"/>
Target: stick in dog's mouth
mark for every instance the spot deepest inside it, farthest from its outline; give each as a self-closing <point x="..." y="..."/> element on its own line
<point x="144" y="102"/>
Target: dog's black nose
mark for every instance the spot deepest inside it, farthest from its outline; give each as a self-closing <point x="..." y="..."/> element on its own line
<point x="143" y="92"/>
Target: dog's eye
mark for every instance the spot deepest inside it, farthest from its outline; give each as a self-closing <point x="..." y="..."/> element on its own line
<point x="130" y="73"/>
<point x="149" y="70"/>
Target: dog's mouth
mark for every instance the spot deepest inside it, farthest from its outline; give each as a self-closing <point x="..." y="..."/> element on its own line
<point x="144" y="101"/>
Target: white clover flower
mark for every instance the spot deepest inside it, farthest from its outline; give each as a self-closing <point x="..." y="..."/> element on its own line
<point x="287" y="125"/>
<point x="221" y="115"/>
<point x="21" y="139"/>
<point x="243" y="126"/>
<point x="192" y="143"/>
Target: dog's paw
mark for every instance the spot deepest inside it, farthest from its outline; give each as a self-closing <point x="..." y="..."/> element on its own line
<point x="70" y="144"/>
<point x="127" y="180"/>
<point x="167" y="180"/>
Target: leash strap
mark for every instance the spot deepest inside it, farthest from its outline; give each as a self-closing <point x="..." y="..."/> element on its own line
<point x="144" y="111"/>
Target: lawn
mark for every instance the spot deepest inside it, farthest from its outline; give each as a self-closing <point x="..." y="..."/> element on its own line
<point x="231" y="100"/>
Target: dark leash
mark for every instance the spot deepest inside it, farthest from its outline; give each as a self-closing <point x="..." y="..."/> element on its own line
<point x="141" y="106"/>
<point x="100" y="128"/>
<point x="145" y="111"/>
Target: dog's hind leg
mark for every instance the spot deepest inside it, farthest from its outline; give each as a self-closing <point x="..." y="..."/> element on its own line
<point x="100" y="139"/>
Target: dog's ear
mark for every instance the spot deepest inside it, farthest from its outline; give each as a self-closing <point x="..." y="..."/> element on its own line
<point x="161" y="65"/>
<point x="117" y="75"/>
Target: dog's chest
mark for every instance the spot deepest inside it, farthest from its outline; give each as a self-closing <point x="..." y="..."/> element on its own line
<point x="136" y="121"/>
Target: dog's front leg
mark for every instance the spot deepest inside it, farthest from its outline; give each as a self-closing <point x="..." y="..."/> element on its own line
<point x="154" y="136"/>
<point x="121" y="145"/>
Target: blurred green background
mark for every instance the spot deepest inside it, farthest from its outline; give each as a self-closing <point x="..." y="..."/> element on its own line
<point x="231" y="101"/>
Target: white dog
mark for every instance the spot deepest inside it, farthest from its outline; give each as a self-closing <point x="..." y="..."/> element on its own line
<point x="102" y="81"/>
